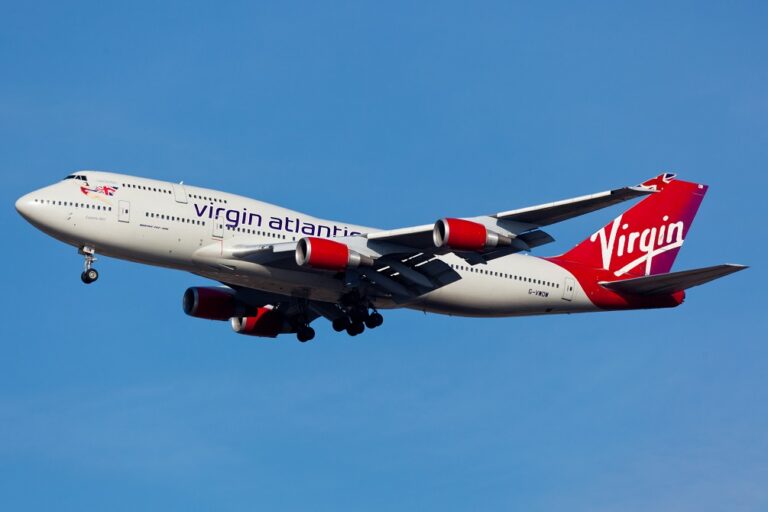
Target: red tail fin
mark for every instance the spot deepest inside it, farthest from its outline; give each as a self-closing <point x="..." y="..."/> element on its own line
<point x="646" y="238"/>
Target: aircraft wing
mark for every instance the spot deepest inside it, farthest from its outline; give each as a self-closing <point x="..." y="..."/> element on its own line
<point x="558" y="211"/>
<point x="522" y="223"/>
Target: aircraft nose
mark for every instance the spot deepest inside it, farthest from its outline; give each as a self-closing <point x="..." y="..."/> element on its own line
<point x="24" y="205"/>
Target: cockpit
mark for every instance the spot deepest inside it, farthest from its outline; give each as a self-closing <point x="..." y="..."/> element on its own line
<point x="76" y="177"/>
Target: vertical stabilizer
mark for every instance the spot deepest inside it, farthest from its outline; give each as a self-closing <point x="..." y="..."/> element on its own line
<point x="645" y="239"/>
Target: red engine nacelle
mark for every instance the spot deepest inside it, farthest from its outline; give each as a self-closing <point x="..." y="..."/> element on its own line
<point x="267" y="323"/>
<point x="328" y="255"/>
<point x="465" y="235"/>
<point x="211" y="303"/>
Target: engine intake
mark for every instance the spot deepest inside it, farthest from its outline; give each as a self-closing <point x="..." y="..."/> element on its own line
<point x="211" y="303"/>
<point x="465" y="235"/>
<point x="267" y="323"/>
<point x="327" y="254"/>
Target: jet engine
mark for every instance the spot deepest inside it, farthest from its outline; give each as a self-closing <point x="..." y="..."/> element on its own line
<point x="327" y="254"/>
<point x="211" y="303"/>
<point x="266" y="322"/>
<point x="465" y="235"/>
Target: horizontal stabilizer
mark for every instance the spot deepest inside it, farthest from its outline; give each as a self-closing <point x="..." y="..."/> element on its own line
<point x="671" y="282"/>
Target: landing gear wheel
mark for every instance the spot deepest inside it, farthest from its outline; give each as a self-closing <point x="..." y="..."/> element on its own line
<point x="358" y="314"/>
<point x="339" y="324"/>
<point x="374" y="321"/>
<point x="305" y="334"/>
<point x="89" y="276"/>
<point x="355" y="328"/>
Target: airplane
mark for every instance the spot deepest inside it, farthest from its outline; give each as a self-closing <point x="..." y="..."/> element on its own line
<point x="280" y="270"/>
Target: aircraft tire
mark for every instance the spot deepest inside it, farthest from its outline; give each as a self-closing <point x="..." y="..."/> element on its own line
<point x="374" y="321"/>
<point x="339" y="324"/>
<point x="305" y="334"/>
<point x="89" y="276"/>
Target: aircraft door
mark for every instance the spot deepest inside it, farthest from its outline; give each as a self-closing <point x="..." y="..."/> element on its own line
<point x="218" y="227"/>
<point x="179" y="193"/>
<point x="568" y="288"/>
<point x="124" y="211"/>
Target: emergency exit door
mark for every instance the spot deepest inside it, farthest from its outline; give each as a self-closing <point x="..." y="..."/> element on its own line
<point x="179" y="192"/>
<point x="218" y="227"/>
<point x="568" y="288"/>
<point x="124" y="211"/>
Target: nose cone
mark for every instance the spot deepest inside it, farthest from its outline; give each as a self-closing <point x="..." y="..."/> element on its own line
<point x="24" y="206"/>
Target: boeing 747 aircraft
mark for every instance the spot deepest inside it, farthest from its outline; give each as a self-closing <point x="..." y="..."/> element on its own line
<point x="281" y="269"/>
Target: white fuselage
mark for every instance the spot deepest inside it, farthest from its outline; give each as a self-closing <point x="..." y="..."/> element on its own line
<point x="175" y="226"/>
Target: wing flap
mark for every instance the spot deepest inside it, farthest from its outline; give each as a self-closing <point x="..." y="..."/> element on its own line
<point x="671" y="282"/>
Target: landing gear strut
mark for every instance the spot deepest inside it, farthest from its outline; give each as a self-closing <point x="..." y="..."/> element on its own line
<point x="89" y="274"/>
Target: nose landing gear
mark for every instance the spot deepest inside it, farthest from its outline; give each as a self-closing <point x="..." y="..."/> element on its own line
<point x="89" y="274"/>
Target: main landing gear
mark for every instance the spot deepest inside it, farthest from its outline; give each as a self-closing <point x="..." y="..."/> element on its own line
<point x="357" y="320"/>
<point x="305" y="333"/>
<point x="89" y="274"/>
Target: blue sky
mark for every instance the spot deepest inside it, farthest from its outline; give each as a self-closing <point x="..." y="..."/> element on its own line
<point x="385" y="114"/>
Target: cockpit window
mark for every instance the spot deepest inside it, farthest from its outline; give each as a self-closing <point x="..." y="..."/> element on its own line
<point x="70" y="177"/>
<point x="76" y="177"/>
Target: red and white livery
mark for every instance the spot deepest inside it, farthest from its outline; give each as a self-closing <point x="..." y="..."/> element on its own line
<point x="280" y="269"/>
